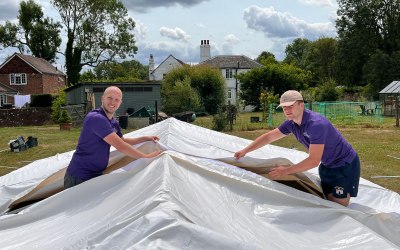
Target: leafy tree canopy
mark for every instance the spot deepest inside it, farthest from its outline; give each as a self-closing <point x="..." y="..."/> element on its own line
<point x="34" y="33"/>
<point x="363" y="28"/>
<point x="125" y="71"/>
<point x="180" y="97"/>
<point x="297" y="53"/>
<point x="207" y="81"/>
<point x="274" y="78"/>
<point x="97" y="31"/>
<point x="266" y="58"/>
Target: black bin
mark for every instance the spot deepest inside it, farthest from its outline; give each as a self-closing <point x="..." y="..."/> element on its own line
<point x="123" y="121"/>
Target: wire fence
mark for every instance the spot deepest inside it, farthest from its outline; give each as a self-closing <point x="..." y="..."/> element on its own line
<point x="342" y="112"/>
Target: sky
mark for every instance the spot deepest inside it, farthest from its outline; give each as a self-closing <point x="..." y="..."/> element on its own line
<point x="241" y="27"/>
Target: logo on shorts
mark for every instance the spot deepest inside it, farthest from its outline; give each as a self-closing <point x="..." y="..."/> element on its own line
<point x="339" y="190"/>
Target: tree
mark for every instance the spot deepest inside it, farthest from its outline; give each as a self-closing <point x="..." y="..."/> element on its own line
<point x="59" y="102"/>
<point x="97" y="31"/>
<point x="380" y="70"/>
<point x="266" y="58"/>
<point x="267" y="98"/>
<point x="364" y="27"/>
<point x="206" y="80"/>
<point x="327" y="91"/>
<point x="127" y="70"/>
<point x="297" y="53"/>
<point x="39" y="35"/>
<point x="211" y="87"/>
<point x="274" y="78"/>
<point x="88" y="76"/>
<point x="180" y="97"/>
<point x="321" y="59"/>
<point x="309" y="95"/>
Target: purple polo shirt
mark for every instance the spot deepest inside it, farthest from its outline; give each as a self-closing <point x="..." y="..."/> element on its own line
<point x="92" y="153"/>
<point x="316" y="129"/>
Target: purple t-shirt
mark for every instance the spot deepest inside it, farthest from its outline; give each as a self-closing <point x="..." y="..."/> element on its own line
<point x="92" y="153"/>
<point x="316" y="129"/>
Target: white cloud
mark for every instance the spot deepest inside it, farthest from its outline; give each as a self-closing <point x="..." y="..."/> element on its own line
<point x="174" y="34"/>
<point x="323" y="3"/>
<point x="283" y="24"/>
<point x="200" y="25"/>
<point x="145" y="5"/>
<point x="162" y="49"/>
<point x="333" y="16"/>
<point x="140" y="30"/>
<point x="231" y="39"/>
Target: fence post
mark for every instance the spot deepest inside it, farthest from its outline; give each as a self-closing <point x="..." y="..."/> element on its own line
<point x="271" y="112"/>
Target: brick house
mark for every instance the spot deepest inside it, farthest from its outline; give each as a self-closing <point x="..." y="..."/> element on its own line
<point x="28" y="75"/>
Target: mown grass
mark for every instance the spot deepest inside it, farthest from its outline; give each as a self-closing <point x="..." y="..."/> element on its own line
<point x="376" y="139"/>
<point x="377" y="143"/>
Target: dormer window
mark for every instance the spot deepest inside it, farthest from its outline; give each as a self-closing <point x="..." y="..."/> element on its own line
<point x="18" y="79"/>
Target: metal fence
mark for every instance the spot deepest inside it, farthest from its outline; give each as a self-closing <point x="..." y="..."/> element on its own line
<point x="349" y="112"/>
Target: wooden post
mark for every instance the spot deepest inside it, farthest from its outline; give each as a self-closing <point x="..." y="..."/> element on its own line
<point x="156" y="110"/>
<point x="397" y="111"/>
<point x="230" y="117"/>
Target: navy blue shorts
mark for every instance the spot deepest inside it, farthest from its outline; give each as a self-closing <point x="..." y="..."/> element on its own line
<point x="70" y="181"/>
<point x="341" y="181"/>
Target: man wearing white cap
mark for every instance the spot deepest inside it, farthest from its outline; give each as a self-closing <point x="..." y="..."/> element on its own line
<point x="339" y="165"/>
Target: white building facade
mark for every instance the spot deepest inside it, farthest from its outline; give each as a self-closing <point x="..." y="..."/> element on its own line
<point x="228" y="65"/>
<point x="170" y="63"/>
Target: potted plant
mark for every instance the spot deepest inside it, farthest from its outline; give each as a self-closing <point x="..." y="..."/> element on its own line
<point x="65" y="120"/>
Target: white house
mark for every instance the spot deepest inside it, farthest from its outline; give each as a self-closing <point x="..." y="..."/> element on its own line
<point x="229" y="66"/>
<point x="157" y="74"/>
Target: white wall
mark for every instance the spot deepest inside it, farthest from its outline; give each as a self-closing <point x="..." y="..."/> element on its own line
<point x="166" y="66"/>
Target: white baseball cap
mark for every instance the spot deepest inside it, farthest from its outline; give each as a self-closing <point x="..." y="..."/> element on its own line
<point x="289" y="98"/>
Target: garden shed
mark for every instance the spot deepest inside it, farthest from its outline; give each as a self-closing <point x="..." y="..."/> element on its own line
<point x="135" y="94"/>
<point x="390" y="98"/>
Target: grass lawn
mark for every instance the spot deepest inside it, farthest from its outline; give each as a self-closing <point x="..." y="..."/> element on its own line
<point x="377" y="143"/>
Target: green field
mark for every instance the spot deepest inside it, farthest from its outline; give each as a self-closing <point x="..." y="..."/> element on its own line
<point x="377" y="143"/>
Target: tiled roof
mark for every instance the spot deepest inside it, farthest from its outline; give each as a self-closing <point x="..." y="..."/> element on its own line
<point x="39" y="64"/>
<point x="231" y="61"/>
<point x="179" y="61"/>
<point x="6" y="89"/>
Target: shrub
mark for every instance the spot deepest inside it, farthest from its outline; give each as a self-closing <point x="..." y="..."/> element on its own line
<point x="42" y="100"/>
<point x="59" y="101"/>
<point x="64" y="117"/>
<point x="220" y="121"/>
<point x="327" y="92"/>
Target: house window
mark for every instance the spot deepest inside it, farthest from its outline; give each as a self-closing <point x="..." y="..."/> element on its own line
<point x="138" y="89"/>
<point x="3" y="100"/>
<point x="228" y="73"/>
<point x="18" y="79"/>
<point x="98" y="90"/>
<point x="229" y="93"/>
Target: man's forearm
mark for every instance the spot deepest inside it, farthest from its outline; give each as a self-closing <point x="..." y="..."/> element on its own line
<point x="136" y="140"/>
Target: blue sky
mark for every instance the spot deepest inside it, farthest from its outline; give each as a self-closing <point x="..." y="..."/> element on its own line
<point x="245" y="27"/>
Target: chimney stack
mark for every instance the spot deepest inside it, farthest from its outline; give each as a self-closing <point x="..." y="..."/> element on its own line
<point x="205" y="50"/>
<point x="151" y="67"/>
